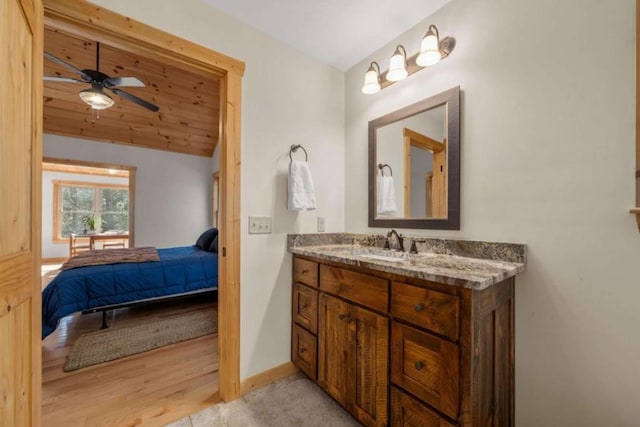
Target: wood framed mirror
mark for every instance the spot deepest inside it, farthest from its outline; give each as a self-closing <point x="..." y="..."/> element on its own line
<point x="414" y="165"/>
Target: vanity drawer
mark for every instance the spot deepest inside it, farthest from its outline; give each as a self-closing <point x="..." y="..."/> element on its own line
<point x="305" y="272"/>
<point x="426" y="366"/>
<point x="372" y="292"/>
<point x="408" y="412"/>
<point x="304" y="351"/>
<point x="305" y="307"/>
<point x="432" y="310"/>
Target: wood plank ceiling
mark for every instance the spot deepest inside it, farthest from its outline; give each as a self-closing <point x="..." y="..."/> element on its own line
<point x="189" y="117"/>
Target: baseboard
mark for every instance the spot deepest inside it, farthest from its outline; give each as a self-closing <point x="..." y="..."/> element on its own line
<point x="54" y="260"/>
<point x="267" y="377"/>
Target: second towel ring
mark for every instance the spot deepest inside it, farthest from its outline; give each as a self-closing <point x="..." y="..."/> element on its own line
<point x="294" y="148"/>
<point x="382" y="166"/>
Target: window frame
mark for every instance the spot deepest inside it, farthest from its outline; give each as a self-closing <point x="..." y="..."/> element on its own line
<point x="57" y="187"/>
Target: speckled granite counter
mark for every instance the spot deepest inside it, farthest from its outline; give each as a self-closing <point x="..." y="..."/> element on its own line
<point x="470" y="264"/>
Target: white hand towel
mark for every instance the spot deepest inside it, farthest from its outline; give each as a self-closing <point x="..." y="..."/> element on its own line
<point x="301" y="191"/>
<point x="386" y="195"/>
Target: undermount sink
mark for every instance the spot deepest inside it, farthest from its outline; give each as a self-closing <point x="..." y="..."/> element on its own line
<point x="388" y="258"/>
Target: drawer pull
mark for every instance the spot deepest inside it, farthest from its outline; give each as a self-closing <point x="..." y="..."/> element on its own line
<point x="419" y="366"/>
<point x="302" y="350"/>
<point x="342" y="316"/>
<point x="304" y="271"/>
<point x="418" y="307"/>
<point x="304" y="307"/>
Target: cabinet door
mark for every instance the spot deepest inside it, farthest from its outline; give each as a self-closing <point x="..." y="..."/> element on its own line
<point x="333" y="341"/>
<point x="368" y="366"/>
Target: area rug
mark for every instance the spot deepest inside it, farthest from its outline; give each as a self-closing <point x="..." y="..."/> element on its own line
<point x="114" y="343"/>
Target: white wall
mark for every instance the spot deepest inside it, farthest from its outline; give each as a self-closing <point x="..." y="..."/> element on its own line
<point x="51" y="249"/>
<point x="547" y="158"/>
<point x="287" y="98"/>
<point x="173" y="191"/>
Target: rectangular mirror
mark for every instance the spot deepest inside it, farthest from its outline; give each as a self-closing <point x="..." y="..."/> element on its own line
<point x="414" y="165"/>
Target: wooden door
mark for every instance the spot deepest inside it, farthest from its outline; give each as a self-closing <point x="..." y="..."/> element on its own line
<point x="20" y="158"/>
<point x="333" y="340"/>
<point x="368" y="383"/>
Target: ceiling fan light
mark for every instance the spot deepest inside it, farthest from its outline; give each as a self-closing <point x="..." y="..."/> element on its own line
<point x="372" y="79"/>
<point x="96" y="98"/>
<point x="398" y="65"/>
<point x="429" y="48"/>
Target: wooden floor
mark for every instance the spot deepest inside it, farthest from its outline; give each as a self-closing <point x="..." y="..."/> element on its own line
<point x="147" y="389"/>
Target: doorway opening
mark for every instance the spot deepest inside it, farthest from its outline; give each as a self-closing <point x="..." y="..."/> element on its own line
<point x="138" y="39"/>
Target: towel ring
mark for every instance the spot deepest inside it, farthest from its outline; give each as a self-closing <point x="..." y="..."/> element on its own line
<point x="382" y="166"/>
<point x="294" y="148"/>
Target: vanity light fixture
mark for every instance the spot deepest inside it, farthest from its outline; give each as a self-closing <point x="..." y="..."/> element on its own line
<point x="432" y="51"/>
<point x="372" y="79"/>
<point x="398" y="65"/>
<point x="429" y="48"/>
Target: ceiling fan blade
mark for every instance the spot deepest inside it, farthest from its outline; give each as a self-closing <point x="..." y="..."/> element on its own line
<point x="67" y="66"/>
<point x="135" y="99"/>
<point x="62" y="79"/>
<point x="123" y="81"/>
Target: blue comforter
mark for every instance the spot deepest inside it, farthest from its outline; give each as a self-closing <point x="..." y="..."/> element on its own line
<point x="179" y="270"/>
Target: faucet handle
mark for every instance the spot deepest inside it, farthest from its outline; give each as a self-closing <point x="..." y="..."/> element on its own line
<point x="414" y="248"/>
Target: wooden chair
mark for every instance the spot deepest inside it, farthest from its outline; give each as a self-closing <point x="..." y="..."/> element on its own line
<point x="77" y="244"/>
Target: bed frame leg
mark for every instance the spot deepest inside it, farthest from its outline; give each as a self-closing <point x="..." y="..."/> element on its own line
<point x="104" y="320"/>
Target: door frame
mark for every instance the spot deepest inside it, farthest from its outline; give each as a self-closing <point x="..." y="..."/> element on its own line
<point x="87" y="20"/>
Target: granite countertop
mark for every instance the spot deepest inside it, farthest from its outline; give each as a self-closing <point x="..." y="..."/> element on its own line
<point x="438" y="260"/>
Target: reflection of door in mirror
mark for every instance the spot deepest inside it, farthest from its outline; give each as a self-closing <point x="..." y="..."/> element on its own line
<point x="414" y="147"/>
<point x="425" y="180"/>
<point x="421" y="144"/>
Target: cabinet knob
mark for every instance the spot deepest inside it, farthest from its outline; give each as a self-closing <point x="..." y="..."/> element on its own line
<point x="418" y="307"/>
<point x="304" y="271"/>
<point x="419" y="366"/>
<point x="341" y="316"/>
<point x="304" y="306"/>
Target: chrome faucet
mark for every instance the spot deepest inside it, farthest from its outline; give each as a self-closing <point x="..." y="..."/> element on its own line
<point x="399" y="239"/>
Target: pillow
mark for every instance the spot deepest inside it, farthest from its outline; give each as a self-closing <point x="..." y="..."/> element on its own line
<point x="214" y="245"/>
<point x="206" y="238"/>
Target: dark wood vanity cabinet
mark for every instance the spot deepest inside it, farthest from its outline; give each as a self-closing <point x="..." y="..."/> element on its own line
<point x="400" y="351"/>
<point x="353" y="358"/>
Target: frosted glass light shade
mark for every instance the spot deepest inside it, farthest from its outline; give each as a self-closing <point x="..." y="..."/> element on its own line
<point x="429" y="48"/>
<point x="96" y="98"/>
<point x="371" y="80"/>
<point x="397" y="65"/>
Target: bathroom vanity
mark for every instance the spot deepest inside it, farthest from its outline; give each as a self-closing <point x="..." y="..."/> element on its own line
<point x="405" y="339"/>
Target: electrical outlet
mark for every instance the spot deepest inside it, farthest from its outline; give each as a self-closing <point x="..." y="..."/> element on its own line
<point x="320" y="224"/>
<point x="259" y="225"/>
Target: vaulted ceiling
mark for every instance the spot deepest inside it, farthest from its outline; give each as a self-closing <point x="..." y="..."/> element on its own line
<point x="188" y="120"/>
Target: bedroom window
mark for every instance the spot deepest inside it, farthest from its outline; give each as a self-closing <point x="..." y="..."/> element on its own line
<point x="75" y="202"/>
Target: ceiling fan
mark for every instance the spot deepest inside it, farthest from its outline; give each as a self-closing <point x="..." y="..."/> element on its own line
<point x="96" y="96"/>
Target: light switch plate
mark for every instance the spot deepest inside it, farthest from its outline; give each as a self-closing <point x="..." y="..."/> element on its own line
<point x="320" y="224"/>
<point x="259" y="225"/>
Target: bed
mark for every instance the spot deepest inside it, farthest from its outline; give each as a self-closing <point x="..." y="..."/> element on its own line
<point x="180" y="271"/>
